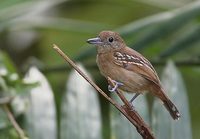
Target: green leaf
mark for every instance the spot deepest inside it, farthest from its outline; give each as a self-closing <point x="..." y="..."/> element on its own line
<point x="120" y="126"/>
<point x="3" y="86"/>
<point x="57" y="23"/>
<point x="9" y="3"/>
<point x="164" y="4"/>
<point x="186" y="40"/>
<point x="144" y="23"/>
<point x="163" y="125"/>
<point x="183" y="13"/>
<point x="81" y="118"/>
<point x="10" y="81"/>
<point x="162" y="24"/>
<point x="26" y="8"/>
<point x="40" y="111"/>
<point x="31" y="14"/>
<point x="5" y="63"/>
<point x="154" y="27"/>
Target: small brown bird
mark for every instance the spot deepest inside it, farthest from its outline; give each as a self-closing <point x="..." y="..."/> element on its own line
<point x="131" y="71"/>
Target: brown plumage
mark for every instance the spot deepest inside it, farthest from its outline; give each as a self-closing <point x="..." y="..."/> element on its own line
<point x="129" y="67"/>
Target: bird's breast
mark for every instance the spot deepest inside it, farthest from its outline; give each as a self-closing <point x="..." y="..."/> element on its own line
<point x="106" y="65"/>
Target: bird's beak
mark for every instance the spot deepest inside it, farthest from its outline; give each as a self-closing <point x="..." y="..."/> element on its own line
<point x="94" y="41"/>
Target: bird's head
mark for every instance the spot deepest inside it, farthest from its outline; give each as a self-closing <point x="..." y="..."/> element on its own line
<point x="107" y="41"/>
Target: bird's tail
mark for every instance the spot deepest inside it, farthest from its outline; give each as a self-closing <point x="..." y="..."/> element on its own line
<point x="170" y="106"/>
<point x="172" y="109"/>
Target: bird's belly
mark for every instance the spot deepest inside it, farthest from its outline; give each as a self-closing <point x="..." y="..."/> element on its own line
<point x="133" y="83"/>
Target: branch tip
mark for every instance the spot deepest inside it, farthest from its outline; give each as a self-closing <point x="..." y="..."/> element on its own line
<point x="55" y="46"/>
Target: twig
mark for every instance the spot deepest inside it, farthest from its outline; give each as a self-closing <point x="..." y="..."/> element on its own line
<point x="142" y="129"/>
<point x="18" y="129"/>
<point x="5" y="100"/>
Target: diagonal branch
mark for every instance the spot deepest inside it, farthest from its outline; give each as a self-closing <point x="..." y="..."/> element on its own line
<point x="10" y="116"/>
<point x="126" y="110"/>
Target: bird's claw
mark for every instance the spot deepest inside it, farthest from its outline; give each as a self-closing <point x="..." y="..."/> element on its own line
<point x="117" y="84"/>
<point x="112" y="89"/>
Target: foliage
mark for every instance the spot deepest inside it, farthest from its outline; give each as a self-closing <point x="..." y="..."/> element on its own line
<point x="162" y="25"/>
<point x="10" y="81"/>
<point x="28" y="28"/>
<point x="11" y="87"/>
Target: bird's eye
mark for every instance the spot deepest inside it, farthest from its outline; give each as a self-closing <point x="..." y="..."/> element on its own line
<point x="110" y="39"/>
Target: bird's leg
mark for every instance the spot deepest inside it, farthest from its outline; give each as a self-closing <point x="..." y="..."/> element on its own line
<point x="117" y="84"/>
<point x="134" y="97"/>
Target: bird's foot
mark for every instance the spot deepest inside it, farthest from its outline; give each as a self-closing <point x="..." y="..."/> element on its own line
<point x="117" y="84"/>
<point x="133" y="98"/>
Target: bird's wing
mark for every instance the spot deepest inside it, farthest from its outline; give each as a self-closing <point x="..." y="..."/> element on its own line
<point x="134" y="61"/>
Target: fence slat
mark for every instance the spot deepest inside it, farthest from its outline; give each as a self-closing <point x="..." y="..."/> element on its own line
<point x="40" y="114"/>
<point x="80" y="117"/>
<point x="164" y="126"/>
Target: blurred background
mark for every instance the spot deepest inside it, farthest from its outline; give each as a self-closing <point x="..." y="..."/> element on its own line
<point x="50" y="101"/>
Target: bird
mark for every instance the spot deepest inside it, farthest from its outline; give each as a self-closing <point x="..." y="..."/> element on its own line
<point x="129" y="69"/>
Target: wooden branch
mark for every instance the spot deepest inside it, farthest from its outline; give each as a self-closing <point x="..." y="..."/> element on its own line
<point x="126" y="110"/>
<point x="10" y="116"/>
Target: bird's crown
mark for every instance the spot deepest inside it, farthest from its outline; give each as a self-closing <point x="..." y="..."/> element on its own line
<point x="107" y="41"/>
<point x="110" y="37"/>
